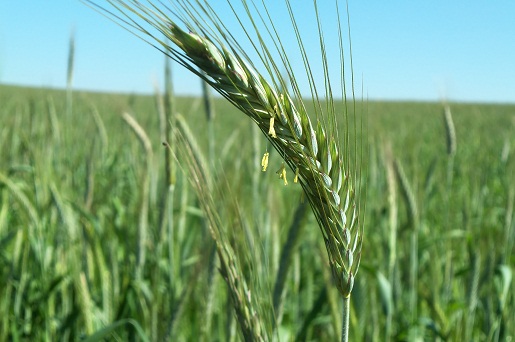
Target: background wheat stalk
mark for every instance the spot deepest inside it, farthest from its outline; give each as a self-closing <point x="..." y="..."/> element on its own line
<point x="312" y="152"/>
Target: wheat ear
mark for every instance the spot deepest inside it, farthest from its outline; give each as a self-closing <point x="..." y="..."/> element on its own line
<point x="313" y="153"/>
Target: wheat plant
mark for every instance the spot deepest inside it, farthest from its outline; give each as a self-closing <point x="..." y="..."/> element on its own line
<point x="317" y="155"/>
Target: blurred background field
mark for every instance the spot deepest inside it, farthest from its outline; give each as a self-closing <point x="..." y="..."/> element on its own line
<point x="88" y="241"/>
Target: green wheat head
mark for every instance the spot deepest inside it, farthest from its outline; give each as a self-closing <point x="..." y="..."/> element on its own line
<point x="312" y="152"/>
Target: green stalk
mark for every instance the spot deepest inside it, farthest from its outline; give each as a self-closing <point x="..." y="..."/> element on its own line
<point x="165" y="109"/>
<point x="145" y="193"/>
<point x="69" y="74"/>
<point x="170" y="169"/>
<point x="413" y="223"/>
<point x="211" y="264"/>
<point x="210" y="115"/>
<point x="393" y="212"/>
<point x="294" y="233"/>
<point x="345" y="319"/>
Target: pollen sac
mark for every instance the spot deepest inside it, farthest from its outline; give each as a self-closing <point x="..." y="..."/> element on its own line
<point x="271" y="130"/>
<point x="296" y="179"/>
<point x="274" y="103"/>
<point x="282" y="174"/>
<point x="264" y="161"/>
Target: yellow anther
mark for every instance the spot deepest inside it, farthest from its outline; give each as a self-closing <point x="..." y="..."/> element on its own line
<point x="296" y="179"/>
<point x="282" y="174"/>
<point x="264" y="161"/>
<point x="271" y="130"/>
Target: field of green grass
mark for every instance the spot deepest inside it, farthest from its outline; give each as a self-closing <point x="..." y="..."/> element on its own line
<point x="94" y="240"/>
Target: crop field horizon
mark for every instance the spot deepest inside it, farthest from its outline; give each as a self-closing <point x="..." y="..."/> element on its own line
<point x="104" y="233"/>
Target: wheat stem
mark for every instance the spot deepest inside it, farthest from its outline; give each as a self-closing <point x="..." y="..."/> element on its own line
<point x="145" y="191"/>
<point x="345" y="319"/>
<point x="69" y="74"/>
<point x="285" y="261"/>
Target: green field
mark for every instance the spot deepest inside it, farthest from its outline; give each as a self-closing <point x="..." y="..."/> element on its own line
<point x="92" y="238"/>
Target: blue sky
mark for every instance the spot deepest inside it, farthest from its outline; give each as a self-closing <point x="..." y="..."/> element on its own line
<point x="414" y="50"/>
